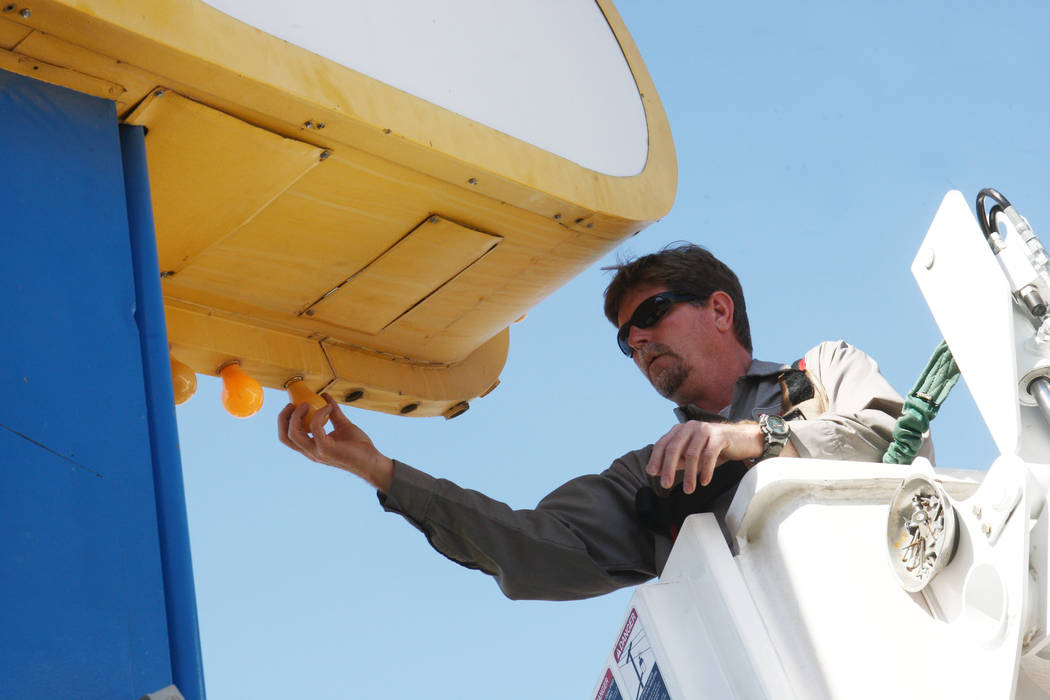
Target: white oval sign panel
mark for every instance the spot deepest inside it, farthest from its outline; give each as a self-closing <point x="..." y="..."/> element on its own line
<point x="548" y="72"/>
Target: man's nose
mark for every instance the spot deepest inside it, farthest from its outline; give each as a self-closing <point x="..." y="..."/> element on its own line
<point x="637" y="337"/>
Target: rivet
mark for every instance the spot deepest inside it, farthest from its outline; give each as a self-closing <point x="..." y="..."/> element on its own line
<point x="405" y="410"/>
<point x="325" y="155"/>
<point x="472" y="181"/>
<point x="354" y="395"/>
<point x="26" y="12"/>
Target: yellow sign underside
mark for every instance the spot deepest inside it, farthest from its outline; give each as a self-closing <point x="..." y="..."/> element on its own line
<point x="312" y="220"/>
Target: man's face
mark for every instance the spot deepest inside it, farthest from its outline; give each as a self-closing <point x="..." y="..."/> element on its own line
<point x="681" y="353"/>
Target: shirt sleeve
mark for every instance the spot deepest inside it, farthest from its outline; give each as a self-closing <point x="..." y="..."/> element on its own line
<point x="862" y="408"/>
<point x="582" y="540"/>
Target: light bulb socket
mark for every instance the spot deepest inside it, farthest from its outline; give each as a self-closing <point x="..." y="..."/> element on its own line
<point x="292" y="380"/>
<point x="224" y="365"/>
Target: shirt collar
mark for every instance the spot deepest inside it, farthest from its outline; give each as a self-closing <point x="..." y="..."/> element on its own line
<point x="759" y="369"/>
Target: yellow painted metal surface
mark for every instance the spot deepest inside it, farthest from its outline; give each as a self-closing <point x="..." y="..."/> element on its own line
<point x="313" y="221"/>
<point x="415" y="267"/>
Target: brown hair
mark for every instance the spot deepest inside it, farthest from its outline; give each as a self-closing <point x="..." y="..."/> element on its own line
<point x="684" y="268"/>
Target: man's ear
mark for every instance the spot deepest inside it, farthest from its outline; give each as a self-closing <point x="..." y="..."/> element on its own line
<point x="721" y="305"/>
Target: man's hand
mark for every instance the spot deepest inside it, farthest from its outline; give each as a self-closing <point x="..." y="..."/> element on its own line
<point x="346" y="447"/>
<point x="696" y="448"/>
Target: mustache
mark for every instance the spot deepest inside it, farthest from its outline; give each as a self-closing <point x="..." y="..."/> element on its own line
<point x="647" y="352"/>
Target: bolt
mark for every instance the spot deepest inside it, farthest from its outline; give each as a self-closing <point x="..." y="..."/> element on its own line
<point x="26" y="13"/>
<point x="472" y="181"/>
<point x="929" y="257"/>
<point x="325" y="154"/>
<point x="986" y="529"/>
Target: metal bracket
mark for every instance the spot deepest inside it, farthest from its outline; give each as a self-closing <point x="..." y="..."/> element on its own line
<point x="169" y="693"/>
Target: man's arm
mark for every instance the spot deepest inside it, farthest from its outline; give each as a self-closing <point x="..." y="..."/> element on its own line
<point x="858" y="424"/>
<point x="862" y="408"/>
<point x="582" y="540"/>
<point x="697" y="448"/>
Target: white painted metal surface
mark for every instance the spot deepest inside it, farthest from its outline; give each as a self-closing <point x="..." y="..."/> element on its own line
<point x="548" y="72"/>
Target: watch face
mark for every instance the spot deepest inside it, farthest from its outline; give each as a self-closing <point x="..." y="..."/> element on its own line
<point x="777" y="426"/>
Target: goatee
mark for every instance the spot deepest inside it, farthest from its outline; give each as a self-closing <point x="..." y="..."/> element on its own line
<point x="668" y="379"/>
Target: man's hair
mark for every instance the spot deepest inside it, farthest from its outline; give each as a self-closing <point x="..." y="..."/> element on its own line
<point x="684" y="269"/>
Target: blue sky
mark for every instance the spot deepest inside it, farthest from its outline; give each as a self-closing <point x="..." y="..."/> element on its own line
<point x="815" y="142"/>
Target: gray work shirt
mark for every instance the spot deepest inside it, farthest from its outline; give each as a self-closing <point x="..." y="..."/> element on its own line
<point x="584" y="538"/>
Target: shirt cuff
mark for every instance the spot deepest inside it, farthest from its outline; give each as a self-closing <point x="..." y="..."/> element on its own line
<point x="410" y="494"/>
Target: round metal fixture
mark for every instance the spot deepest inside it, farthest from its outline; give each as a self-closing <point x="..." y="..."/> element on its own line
<point x="920" y="532"/>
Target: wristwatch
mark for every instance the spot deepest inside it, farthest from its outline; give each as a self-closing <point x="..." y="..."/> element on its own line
<point x="776" y="431"/>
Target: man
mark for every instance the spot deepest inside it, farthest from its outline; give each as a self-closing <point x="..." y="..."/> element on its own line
<point x="681" y="317"/>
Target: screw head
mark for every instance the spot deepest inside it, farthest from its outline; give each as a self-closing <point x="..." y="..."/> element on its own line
<point x="325" y="154"/>
<point x="308" y="124"/>
<point x="472" y="181"/>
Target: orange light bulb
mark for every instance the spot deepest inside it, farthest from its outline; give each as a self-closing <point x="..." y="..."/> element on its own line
<point x="299" y="393"/>
<point x="183" y="380"/>
<point x="242" y="396"/>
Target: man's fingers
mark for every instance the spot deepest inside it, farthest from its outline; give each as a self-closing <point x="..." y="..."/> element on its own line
<point x="338" y="418"/>
<point x="656" y="457"/>
<point x="282" y="425"/>
<point x="318" y="421"/>
<point x="297" y="434"/>
<point x="692" y="460"/>
<point x="672" y="455"/>
<point x="710" y="458"/>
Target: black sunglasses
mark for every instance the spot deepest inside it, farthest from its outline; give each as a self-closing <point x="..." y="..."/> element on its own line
<point x="648" y="314"/>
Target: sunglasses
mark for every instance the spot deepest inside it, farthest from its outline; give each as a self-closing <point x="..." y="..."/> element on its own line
<point x="648" y="314"/>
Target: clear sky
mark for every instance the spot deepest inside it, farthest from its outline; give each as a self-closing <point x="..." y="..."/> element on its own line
<point x="815" y="141"/>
